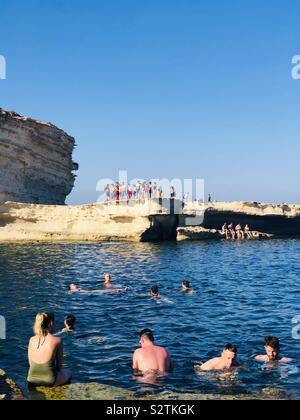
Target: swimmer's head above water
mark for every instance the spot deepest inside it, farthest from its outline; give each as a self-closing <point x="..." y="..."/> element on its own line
<point x="146" y="337"/>
<point x="186" y="285"/>
<point x="272" y="347"/>
<point x="69" y="322"/>
<point x="73" y="288"/>
<point x="154" y="291"/>
<point x="227" y="360"/>
<point x="229" y="355"/>
<point x="107" y="278"/>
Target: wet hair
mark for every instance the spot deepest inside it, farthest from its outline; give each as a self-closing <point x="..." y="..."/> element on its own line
<point x="186" y="283"/>
<point x="70" y="321"/>
<point x="154" y="290"/>
<point x="42" y="323"/>
<point x="271" y="341"/>
<point x="231" y="347"/>
<point x="146" y="333"/>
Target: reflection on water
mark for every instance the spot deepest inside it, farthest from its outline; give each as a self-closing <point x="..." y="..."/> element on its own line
<point x="242" y="292"/>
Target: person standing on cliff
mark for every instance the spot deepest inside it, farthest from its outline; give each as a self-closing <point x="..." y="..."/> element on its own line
<point x="150" y="190"/>
<point x="107" y="191"/>
<point x="117" y="193"/>
<point x="172" y="193"/>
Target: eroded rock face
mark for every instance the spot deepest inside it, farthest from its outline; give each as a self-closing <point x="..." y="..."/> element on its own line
<point x="31" y="222"/>
<point x="35" y="161"/>
<point x="277" y="220"/>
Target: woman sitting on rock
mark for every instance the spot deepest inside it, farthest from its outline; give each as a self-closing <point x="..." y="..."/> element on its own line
<point x="45" y="354"/>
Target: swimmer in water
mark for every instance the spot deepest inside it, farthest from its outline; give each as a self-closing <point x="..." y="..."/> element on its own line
<point x="150" y="358"/>
<point x="272" y="348"/>
<point x="155" y="293"/>
<point x="72" y="288"/>
<point x="107" y="282"/>
<point x="186" y="286"/>
<point x="69" y="322"/>
<point x="228" y="360"/>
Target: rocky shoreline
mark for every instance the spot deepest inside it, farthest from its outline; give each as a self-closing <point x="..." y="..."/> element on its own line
<point x="95" y="391"/>
<point x="142" y="222"/>
<point x="9" y="390"/>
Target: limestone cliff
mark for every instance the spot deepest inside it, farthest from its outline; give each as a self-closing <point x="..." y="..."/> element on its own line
<point x="35" y="161"/>
<point x="92" y="222"/>
<point x="144" y="221"/>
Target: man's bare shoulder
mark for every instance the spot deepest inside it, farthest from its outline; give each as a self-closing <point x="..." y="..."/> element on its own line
<point x="286" y="360"/>
<point x="56" y="340"/>
<point x="261" y="358"/>
<point x="161" y="349"/>
<point x="211" y="364"/>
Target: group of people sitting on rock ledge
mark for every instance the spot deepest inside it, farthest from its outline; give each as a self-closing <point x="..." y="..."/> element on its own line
<point x="232" y="232"/>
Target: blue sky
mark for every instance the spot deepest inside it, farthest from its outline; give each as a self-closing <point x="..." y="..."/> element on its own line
<point x="163" y="88"/>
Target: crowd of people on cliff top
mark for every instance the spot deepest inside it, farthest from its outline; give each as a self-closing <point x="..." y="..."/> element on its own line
<point x="137" y="191"/>
<point x="232" y="232"/>
<point x="149" y="361"/>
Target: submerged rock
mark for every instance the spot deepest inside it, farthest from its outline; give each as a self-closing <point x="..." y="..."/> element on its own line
<point x="94" y="391"/>
<point x="9" y="390"/>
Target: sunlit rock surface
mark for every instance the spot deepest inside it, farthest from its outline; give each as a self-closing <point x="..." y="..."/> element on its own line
<point x="35" y="161"/>
<point x="145" y="221"/>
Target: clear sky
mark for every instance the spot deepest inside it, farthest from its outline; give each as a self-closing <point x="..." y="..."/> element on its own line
<point x="163" y="88"/>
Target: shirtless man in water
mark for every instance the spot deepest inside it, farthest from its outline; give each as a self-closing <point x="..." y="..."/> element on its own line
<point x="272" y="347"/>
<point x="107" y="282"/>
<point x="151" y="357"/>
<point x="227" y="360"/>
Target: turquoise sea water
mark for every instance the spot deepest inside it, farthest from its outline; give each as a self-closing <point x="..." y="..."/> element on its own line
<point x="242" y="292"/>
